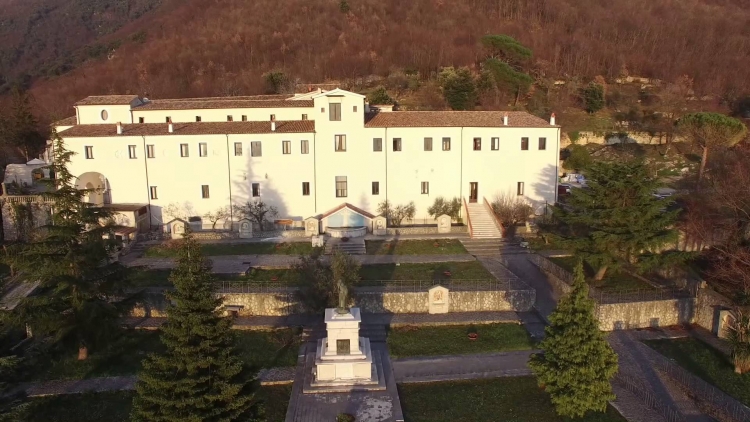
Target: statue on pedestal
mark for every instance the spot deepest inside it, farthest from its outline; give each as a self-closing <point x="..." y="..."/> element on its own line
<point x="343" y="298"/>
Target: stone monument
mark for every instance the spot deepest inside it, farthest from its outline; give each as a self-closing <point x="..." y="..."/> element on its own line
<point x="444" y="224"/>
<point x="438" y="300"/>
<point x="344" y="361"/>
<point x="379" y="224"/>
<point x="246" y="229"/>
<point x="179" y="227"/>
<point x="312" y="226"/>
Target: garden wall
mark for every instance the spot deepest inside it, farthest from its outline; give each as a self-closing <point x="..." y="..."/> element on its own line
<point x="283" y="302"/>
<point x="395" y="231"/>
<point x="645" y="314"/>
<point x="707" y="307"/>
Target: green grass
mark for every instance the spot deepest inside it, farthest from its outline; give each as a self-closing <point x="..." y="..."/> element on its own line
<point x="613" y="280"/>
<point x="431" y="271"/>
<point x="415" y="247"/>
<point x="707" y="363"/>
<point x="160" y="278"/>
<point x="453" y="340"/>
<point x="115" y="406"/>
<point x="169" y="250"/>
<point x="143" y="277"/>
<point x="516" y="399"/>
<point x="258" y="349"/>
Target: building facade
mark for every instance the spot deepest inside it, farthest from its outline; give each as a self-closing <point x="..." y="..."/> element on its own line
<point x="304" y="154"/>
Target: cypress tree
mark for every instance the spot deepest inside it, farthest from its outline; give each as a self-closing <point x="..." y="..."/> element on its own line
<point x="197" y="378"/>
<point x="577" y="362"/>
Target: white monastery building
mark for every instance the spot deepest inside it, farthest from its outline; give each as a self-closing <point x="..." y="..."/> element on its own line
<point x="305" y="154"/>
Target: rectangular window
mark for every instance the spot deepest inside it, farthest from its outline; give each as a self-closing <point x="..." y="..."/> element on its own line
<point x="184" y="152"/>
<point x="273" y="117"/>
<point x="377" y="144"/>
<point x="286" y="147"/>
<point x="322" y="109"/>
<point x="524" y="144"/>
<point x="519" y="191"/>
<point x="141" y="120"/>
<point x="477" y="144"/>
<point x="428" y="144"/>
<point x="89" y="152"/>
<point x="397" y="144"/>
<point x="446" y="144"/>
<point x="542" y="144"/>
<point x="132" y="152"/>
<point x="255" y="149"/>
<point x="256" y="190"/>
<point x="354" y="109"/>
<point x="495" y="144"/>
<point x="425" y="188"/>
<point x="203" y="149"/>
<point x="304" y="117"/>
<point x="305" y="188"/>
<point x="152" y="192"/>
<point x="305" y="146"/>
<point x="204" y="191"/>
<point x="334" y="112"/>
<point x="197" y="118"/>
<point x="238" y="149"/>
<point x="340" y="143"/>
<point x="168" y="119"/>
<point x="244" y="117"/>
<point x="150" y="151"/>
<point x="230" y="118"/>
<point x="341" y="187"/>
<point x="376" y="188"/>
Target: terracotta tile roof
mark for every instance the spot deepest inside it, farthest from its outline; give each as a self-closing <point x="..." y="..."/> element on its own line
<point x="68" y="121"/>
<point x="351" y="207"/>
<point x="200" y="104"/>
<point x="107" y="100"/>
<point x="267" y="97"/>
<point x="193" y="128"/>
<point x="453" y="119"/>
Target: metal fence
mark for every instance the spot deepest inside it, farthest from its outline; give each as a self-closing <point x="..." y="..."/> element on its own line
<point x="721" y="404"/>
<point x="639" y="390"/>
<point x="255" y="286"/>
<point x="603" y="296"/>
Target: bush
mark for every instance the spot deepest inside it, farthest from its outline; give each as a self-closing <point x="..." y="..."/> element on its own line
<point x="345" y="417"/>
<point x="593" y="97"/>
<point x="578" y="158"/>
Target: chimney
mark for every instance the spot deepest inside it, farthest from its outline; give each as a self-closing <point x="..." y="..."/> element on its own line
<point x="367" y="106"/>
<point x="171" y="126"/>
<point x="273" y="123"/>
<point x="505" y="120"/>
<point x="552" y="119"/>
<point x="119" y="128"/>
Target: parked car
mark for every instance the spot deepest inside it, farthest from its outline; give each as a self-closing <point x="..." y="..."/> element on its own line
<point x="563" y="189"/>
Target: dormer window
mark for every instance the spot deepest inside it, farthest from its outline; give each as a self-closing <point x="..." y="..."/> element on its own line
<point x="105" y="115"/>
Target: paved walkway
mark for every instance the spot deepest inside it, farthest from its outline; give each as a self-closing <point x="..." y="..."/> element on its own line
<point x="239" y="264"/>
<point x="446" y="368"/>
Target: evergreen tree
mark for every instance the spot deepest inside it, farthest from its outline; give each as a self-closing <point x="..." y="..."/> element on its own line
<point x="198" y="378"/>
<point x="18" y="128"/>
<point x="577" y="362"/>
<point x="71" y="259"/>
<point x="380" y="96"/>
<point x="459" y="88"/>
<point x="617" y="219"/>
<point x="503" y="69"/>
<point x="593" y="97"/>
<point x="710" y="131"/>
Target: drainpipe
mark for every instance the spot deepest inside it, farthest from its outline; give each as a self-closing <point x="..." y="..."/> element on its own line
<point x="229" y="181"/>
<point x="461" y="176"/>
<point x="315" y="173"/>
<point x="148" y="190"/>
<point x="385" y="148"/>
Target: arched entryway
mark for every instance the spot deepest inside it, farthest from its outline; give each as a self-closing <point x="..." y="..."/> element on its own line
<point x="97" y="186"/>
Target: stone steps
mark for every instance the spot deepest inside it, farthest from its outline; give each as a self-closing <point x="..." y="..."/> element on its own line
<point x="351" y="247"/>
<point x="486" y="246"/>
<point x="482" y="222"/>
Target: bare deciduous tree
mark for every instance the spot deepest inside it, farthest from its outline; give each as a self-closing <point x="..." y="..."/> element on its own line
<point x="215" y="216"/>
<point x="396" y="215"/>
<point x="511" y="209"/>
<point x="257" y="211"/>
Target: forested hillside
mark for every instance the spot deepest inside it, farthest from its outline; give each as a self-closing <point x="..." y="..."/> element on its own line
<point x="223" y="47"/>
<point x="42" y="38"/>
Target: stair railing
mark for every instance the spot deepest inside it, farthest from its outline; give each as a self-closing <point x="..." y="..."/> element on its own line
<point x="498" y="224"/>
<point x="468" y="219"/>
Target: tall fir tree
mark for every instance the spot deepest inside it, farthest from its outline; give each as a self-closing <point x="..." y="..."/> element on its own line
<point x="71" y="258"/>
<point x="198" y="378"/>
<point x="617" y="220"/>
<point x="19" y="128"/>
<point x="577" y="363"/>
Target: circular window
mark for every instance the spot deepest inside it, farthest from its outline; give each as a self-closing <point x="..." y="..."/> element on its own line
<point x="105" y="115"/>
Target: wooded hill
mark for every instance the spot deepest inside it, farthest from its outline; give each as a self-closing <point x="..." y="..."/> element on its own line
<point x="223" y="47"/>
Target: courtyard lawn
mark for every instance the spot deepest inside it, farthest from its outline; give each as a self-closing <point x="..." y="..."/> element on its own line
<point x="516" y="399"/>
<point x="707" y="363"/>
<point x="259" y="349"/>
<point x="470" y="270"/>
<point x="614" y="281"/>
<point x="169" y="250"/>
<point x="115" y="406"/>
<point x="143" y="277"/>
<point x="160" y="278"/>
<point x="415" y="247"/>
<point x="453" y="340"/>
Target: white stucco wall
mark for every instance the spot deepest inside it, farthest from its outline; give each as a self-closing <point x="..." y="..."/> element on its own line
<point x="399" y="173"/>
<point x="92" y="114"/>
<point x="220" y="115"/>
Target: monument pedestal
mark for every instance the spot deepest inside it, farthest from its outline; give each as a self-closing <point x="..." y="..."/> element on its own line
<point x="343" y="360"/>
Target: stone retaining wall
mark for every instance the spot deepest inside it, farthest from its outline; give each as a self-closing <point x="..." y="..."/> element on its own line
<point x="707" y="307"/>
<point x="215" y="235"/>
<point x="396" y="231"/>
<point x="278" y="233"/>
<point x="283" y="302"/>
<point x="652" y="313"/>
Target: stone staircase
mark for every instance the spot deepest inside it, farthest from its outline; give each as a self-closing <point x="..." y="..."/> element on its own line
<point x="354" y="246"/>
<point x="482" y="222"/>
<point x="484" y="246"/>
